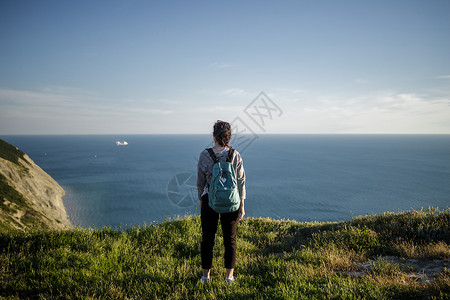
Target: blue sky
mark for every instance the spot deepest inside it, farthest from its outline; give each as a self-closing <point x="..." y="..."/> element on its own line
<point x="132" y="67"/>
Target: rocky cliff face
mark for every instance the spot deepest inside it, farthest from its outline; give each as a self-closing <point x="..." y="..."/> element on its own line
<point x="29" y="197"/>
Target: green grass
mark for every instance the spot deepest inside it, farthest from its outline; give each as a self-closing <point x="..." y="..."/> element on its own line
<point x="275" y="260"/>
<point x="9" y="152"/>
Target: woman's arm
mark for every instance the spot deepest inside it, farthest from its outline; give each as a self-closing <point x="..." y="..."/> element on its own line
<point x="201" y="179"/>
<point x="240" y="177"/>
<point x="241" y="185"/>
<point x="241" y="210"/>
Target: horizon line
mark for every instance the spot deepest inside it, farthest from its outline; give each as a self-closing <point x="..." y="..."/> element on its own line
<point x="112" y="134"/>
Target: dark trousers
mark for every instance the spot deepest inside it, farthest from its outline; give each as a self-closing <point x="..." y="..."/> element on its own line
<point x="209" y="228"/>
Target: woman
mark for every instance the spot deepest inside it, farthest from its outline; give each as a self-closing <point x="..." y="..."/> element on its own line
<point x="210" y="218"/>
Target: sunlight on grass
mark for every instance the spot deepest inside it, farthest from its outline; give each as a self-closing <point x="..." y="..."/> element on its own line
<point x="275" y="260"/>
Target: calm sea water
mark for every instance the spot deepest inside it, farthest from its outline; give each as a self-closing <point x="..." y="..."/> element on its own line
<point x="301" y="177"/>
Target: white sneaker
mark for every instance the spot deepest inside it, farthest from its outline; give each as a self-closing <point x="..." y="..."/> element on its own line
<point x="229" y="280"/>
<point x="203" y="280"/>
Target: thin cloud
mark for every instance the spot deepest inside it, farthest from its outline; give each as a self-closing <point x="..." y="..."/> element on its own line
<point x="384" y="112"/>
<point x="289" y="91"/>
<point x="70" y="101"/>
<point x="234" y="92"/>
<point x="443" y="77"/>
<point x="155" y="101"/>
<point x="220" y="109"/>
<point x="54" y="111"/>
<point x="145" y="111"/>
<point x="66" y="91"/>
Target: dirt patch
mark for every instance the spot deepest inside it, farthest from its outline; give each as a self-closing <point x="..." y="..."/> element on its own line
<point x="420" y="269"/>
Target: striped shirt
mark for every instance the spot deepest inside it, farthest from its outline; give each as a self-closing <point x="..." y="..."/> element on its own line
<point x="205" y="167"/>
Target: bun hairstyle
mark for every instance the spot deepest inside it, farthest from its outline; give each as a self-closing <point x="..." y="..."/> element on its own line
<point x="222" y="133"/>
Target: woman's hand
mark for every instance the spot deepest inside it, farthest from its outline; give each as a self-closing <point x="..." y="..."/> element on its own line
<point x="241" y="213"/>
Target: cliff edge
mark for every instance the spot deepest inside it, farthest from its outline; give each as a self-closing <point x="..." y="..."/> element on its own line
<point x="29" y="197"/>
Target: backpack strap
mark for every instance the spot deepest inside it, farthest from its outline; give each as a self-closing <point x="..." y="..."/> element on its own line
<point x="213" y="156"/>
<point x="230" y="155"/>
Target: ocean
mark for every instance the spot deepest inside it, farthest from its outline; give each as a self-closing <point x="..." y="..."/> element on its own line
<point x="297" y="177"/>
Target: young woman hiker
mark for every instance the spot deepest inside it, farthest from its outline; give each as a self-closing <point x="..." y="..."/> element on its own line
<point x="209" y="217"/>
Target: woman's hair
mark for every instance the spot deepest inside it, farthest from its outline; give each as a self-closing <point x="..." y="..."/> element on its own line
<point x="222" y="133"/>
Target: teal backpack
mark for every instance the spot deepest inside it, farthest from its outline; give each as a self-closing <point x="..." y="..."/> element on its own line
<point x="223" y="193"/>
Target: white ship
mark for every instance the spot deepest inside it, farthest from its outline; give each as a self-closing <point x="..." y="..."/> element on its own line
<point x="124" y="143"/>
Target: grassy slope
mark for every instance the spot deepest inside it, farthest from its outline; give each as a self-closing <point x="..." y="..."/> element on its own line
<point x="10" y="200"/>
<point x="9" y="152"/>
<point x="276" y="260"/>
<point x="16" y="202"/>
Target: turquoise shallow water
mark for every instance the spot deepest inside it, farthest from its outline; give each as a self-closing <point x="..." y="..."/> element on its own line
<point x="302" y="177"/>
